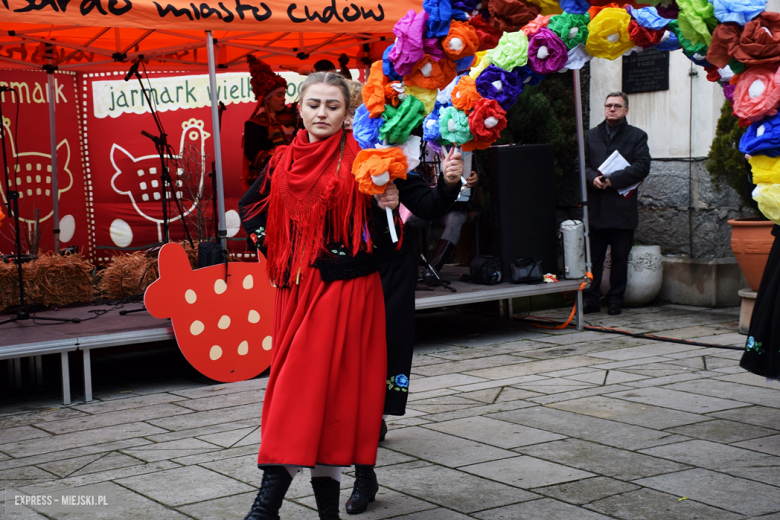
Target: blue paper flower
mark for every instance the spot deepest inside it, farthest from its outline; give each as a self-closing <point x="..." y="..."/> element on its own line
<point x="528" y="77"/>
<point x="402" y="381"/>
<point x="365" y="129"/>
<point x="762" y="138"/>
<point x="440" y="13"/>
<point x="671" y="43"/>
<point x="498" y="84"/>
<point x="649" y="18"/>
<point x="464" y="64"/>
<point x="575" y="6"/>
<point x="430" y="126"/>
<point x="387" y="66"/>
<point x="739" y="11"/>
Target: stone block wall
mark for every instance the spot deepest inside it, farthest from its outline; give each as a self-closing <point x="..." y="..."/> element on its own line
<point x="665" y="218"/>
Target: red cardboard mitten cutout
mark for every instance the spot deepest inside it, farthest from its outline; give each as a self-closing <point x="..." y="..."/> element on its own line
<point x="223" y="329"/>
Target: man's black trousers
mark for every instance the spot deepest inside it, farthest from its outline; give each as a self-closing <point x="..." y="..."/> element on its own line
<point x="621" y="241"/>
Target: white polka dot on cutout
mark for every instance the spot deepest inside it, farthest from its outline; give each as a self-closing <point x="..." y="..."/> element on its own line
<point x="190" y="296"/>
<point x="197" y="327"/>
<point x="224" y="322"/>
<point x="243" y="348"/>
<point x="215" y="353"/>
<point x="267" y="343"/>
<point x="254" y="316"/>
<point x="220" y="286"/>
<point x="249" y="282"/>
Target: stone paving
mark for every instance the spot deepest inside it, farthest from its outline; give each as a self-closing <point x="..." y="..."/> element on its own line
<point x="505" y="421"/>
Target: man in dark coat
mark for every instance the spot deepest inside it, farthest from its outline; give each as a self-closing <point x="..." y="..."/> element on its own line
<point x="613" y="217"/>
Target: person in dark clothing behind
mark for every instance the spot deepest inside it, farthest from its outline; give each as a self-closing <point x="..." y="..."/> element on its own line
<point x="398" y="271"/>
<point x="613" y="217"/>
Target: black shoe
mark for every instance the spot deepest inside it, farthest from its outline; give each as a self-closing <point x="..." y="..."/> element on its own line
<point x="441" y="254"/>
<point x="591" y="307"/>
<point x="276" y="481"/>
<point x="383" y="431"/>
<point x="364" y="491"/>
<point x="326" y="493"/>
<point x="614" y="309"/>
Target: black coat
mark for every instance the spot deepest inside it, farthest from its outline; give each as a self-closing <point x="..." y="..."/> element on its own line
<point x="607" y="209"/>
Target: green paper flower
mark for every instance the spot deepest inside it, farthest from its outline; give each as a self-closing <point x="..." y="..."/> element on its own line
<point x="399" y="122"/>
<point x="698" y="51"/>
<point x="511" y="51"/>
<point x="454" y="126"/>
<point x="572" y="29"/>
<point x="697" y="20"/>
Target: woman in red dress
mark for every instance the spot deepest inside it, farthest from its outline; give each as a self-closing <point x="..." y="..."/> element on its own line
<point x="324" y="399"/>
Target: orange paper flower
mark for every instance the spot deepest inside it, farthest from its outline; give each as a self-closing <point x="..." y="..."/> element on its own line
<point x="374" y="168"/>
<point x="536" y="24"/>
<point x="431" y="74"/>
<point x="391" y="94"/>
<point x="465" y="95"/>
<point x="374" y="90"/>
<point x="461" y="41"/>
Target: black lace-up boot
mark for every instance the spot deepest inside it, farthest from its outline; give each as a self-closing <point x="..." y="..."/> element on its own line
<point x="364" y="491"/>
<point x="326" y="493"/>
<point x="276" y="480"/>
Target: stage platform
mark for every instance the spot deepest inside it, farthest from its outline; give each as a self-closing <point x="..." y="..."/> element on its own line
<point x="110" y="329"/>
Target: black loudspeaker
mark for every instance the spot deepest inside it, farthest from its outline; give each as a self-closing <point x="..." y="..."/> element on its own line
<point x="522" y="194"/>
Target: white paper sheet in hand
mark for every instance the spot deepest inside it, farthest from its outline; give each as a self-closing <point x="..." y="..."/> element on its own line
<point x="614" y="163"/>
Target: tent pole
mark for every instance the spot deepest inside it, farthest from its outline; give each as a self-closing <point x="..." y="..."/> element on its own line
<point x="215" y="134"/>
<point x="583" y="186"/>
<point x="51" y="93"/>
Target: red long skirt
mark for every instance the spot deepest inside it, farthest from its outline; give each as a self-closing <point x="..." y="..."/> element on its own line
<point x="324" y="399"/>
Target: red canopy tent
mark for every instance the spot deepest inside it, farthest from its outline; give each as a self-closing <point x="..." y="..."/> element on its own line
<point x="107" y="35"/>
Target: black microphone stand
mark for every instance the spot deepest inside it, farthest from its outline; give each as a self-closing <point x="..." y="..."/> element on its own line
<point x="12" y="203"/>
<point x="166" y="184"/>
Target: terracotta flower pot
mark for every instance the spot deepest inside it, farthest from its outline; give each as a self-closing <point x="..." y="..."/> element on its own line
<point x="751" y="241"/>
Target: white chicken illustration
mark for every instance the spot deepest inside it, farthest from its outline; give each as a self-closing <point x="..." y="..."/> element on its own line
<point x="33" y="178"/>
<point x="139" y="178"/>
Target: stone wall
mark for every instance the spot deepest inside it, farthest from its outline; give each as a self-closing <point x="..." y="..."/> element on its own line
<point x="664" y="217"/>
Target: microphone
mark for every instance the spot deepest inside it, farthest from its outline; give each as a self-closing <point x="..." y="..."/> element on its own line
<point x="133" y="70"/>
<point x="150" y="136"/>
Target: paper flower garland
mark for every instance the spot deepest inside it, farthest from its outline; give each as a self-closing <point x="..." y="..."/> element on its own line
<point x="374" y="168"/>
<point x="763" y="137"/>
<point x="408" y="46"/>
<point x="738" y="11"/>
<point x="608" y="34"/>
<point x="757" y="94"/>
<point x="511" y="51"/>
<point x="572" y="29"/>
<point x="365" y="128"/>
<point x="546" y="52"/>
<point x="454" y="126"/>
<point x="465" y="95"/>
<point x="399" y="122"/>
<point x="461" y="41"/>
<point x="498" y="84"/>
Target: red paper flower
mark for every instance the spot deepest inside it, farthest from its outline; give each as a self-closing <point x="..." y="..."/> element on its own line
<point x="488" y="35"/>
<point x="757" y="94"/>
<point x="487" y="120"/>
<point x="643" y="37"/>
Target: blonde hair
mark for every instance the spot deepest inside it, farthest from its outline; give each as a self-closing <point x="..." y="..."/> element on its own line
<point x="356" y="94"/>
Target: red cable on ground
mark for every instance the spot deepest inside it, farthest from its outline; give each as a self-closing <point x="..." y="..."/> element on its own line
<point x="589" y="277"/>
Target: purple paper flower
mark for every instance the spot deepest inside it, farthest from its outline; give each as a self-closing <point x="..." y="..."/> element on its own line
<point x="728" y="91"/>
<point x="498" y="84"/>
<point x="546" y="52"/>
<point x="670" y="12"/>
<point x="408" y="47"/>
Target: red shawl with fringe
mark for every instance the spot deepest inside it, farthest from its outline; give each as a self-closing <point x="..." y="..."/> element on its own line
<point x="312" y="204"/>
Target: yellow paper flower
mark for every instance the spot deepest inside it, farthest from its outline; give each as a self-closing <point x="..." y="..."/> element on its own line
<point x="766" y="170"/>
<point x="547" y="6"/>
<point x="428" y="97"/>
<point x="608" y="35"/>
<point x="481" y="62"/>
<point x="768" y="198"/>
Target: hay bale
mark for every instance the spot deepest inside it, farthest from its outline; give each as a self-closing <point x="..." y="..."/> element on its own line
<point x="50" y="280"/>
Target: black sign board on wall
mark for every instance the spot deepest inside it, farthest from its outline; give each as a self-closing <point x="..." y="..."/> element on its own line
<point x="646" y="71"/>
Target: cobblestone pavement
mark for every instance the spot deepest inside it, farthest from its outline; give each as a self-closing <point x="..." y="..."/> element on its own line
<point x="505" y="420"/>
